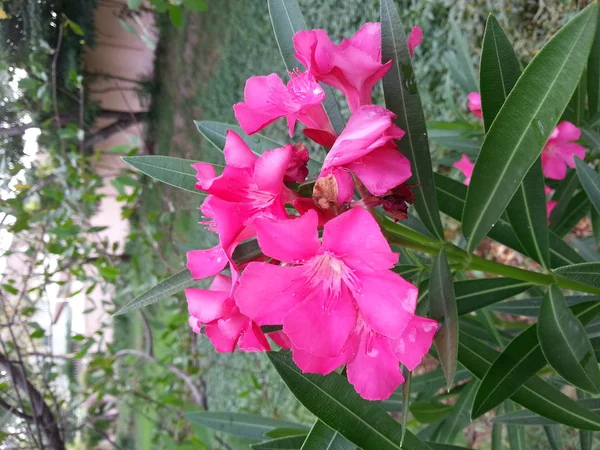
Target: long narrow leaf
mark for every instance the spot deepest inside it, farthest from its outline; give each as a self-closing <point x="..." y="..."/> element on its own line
<point x="590" y="180"/>
<point x="577" y="208"/>
<point x="586" y="273"/>
<point x="517" y="136"/>
<point x="593" y="74"/>
<point x="284" y="443"/>
<point x="472" y="295"/>
<point x="516" y="433"/>
<point x="460" y="415"/>
<point x="531" y="418"/>
<point x="323" y="437"/>
<point x="402" y="98"/>
<point x="176" y="172"/>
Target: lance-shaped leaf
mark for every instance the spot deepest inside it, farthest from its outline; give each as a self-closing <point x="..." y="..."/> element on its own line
<point x="472" y="295"/>
<point x="562" y="196"/>
<point x="516" y="434"/>
<point x="402" y="98"/>
<point x="239" y="424"/>
<point x="553" y="435"/>
<point x="593" y="74"/>
<point x="590" y="180"/>
<point x="216" y="133"/>
<point x="586" y="273"/>
<point x="323" y="437"/>
<point x="519" y="361"/>
<point x="565" y="343"/>
<point x="452" y="199"/>
<point x="530" y="307"/>
<point x="518" y="134"/>
<point x="335" y="402"/>
<point x="460" y="416"/>
<point x="429" y="411"/>
<point x="577" y="208"/>
<point x="535" y="395"/>
<point x="176" y="172"/>
<point x="459" y="61"/>
<point x="284" y="443"/>
<point x="442" y="307"/>
<point x="287" y="20"/>
<point x="525" y="417"/>
<point x="586" y="438"/>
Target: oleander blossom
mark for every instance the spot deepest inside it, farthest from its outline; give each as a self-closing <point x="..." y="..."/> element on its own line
<point x="367" y="149"/>
<point x="474" y="104"/>
<point x="414" y="39"/>
<point x="560" y="150"/>
<point x="353" y="66"/>
<point x="225" y="326"/>
<point x="267" y="99"/>
<point x="465" y="165"/>
<point x="337" y="299"/>
<point x="249" y="186"/>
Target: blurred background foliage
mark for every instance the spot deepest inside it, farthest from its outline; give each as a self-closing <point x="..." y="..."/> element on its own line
<point x="203" y="58"/>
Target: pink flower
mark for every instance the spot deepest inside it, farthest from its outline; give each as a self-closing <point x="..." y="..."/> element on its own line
<point x="560" y="150"/>
<point x="466" y="167"/>
<point x="249" y="186"/>
<point x="414" y="39"/>
<point x="267" y="99"/>
<point x="297" y="170"/>
<point x="225" y="326"/>
<point x="367" y="149"/>
<point x="474" y="103"/>
<point x="328" y="292"/>
<point x="549" y="207"/>
<point x="353" y="66"/>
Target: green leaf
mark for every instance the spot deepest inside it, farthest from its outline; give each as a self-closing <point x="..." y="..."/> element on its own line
<point x="517" y="136"/>
<point x="590" y="180"/>
<point x="460" y="416"/>
<point x="472" y="295"/>
<point x="565" y="344"/>
<point x="452" y="199"/>
<point x="196" y="5"/>
<point x="586" y="273"/>
<point x="405" y="399"/>
<point x="134" y="4"/>
<point x="166" y="288"/>
<point x="176" y="172"/>
<point x="586" y="438"/>
<point x="521" y="359"/>
<point x="334" y="401"/>
<point x="176" y="15"/>
<point x="284" y="443"/>
<point x="323" y="437"/>
<point x="239" y="424"/>
<point x="563" y="194"/>
<point x="530" y="307"/>
<point x="516" y="434"/>
<point x="75" y="28"/>
<point x="442" y="307"/>
<point x="500" y="70"/>
<point x="282" y="432"/>
<point x="216" y="133"/>
<point x="553" y="435"/>
<point x="429" y="411"/>
<point x="596" y="225"/>
<point x="525" y="417"/>
<point x="593" y="74"/>
<point x="459" y="61"/>
<point x="535" y="394"/>
<point x="287" y="20"/>
<point x="402" y="98"/>
<point x="577" y="208"/>
<point x="434" y="380"/>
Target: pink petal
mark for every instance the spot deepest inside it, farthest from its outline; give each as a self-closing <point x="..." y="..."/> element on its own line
<point x="549" y="207"/>
<point x="196" y="326"/>
<point x="324" y="138"/>
<point x="266" y="292"/>
<point x="281" y="339"/>
<point x="206" y="263"/>
<point x="324" y="365"/>
<point x="221" y="342"/>
<point x="253" y="340"/>
<point x="304" y="205"/>
<point x="237" y="153"/>
<point x="386" y="301"/>
<point x="270" y="169"/>
<point x="356" y="238"/>
<point x="345" y="185"/>
<point x="381" y="170"/>
<point x="553" y="166"/>
<point x="252" y="120"/>
<point x="221" y="283"/>
<point x="205" y="175"/>
<point x="290" y="240"/>
<point x="474" y="103"/>
<point x="374" y="372"/>
<point x="567" y="132"/>
<point x="415" y="342"/>
<point x="568" y="151"/>
<point x="368" y="40"/>
<point x="321" y="326"/>
<point x="414" y="39"/>
<point x="466" y="167"/>
<point x="205" y="305"/>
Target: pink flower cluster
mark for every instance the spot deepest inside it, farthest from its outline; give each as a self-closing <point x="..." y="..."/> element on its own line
<point x="324" y="276"/>
<point x="558" y="153"/>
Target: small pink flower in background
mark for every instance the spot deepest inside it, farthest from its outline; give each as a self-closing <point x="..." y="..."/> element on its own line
<point x="337" y="299"/>
<point x="249" y="186"/>
<point x="297" y="170"/>
<point x="466" y="167"/>
<point x="474" y="103"/>
<point x="225" y="326"/>
<point x="550" y="204"/>
<point x="414" y="39"/>
<point x="353" y="66"/>
<point x="267" y="99"/>
<point x="367" y="149"/>
<point x="560" y="150"/>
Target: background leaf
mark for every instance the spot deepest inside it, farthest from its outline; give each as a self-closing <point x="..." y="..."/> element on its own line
<point x="460" y="416"/>
<point x="442" y="307"/>
<point x="590" y="180"/>
<point x="531" y="111"/>
<point x="323" y="437"/>
<point x="284" y="443"/>
<point x="526" y="417"/>
<point x="474" y="294"/>
<point x="586" y="273"/>
<point x="402" y="98"/>
<point x="593" y="74"/>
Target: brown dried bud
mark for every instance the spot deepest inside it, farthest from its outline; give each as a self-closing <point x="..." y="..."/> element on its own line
<point x="395" y="202"/>
<point x="325" y="191"/>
